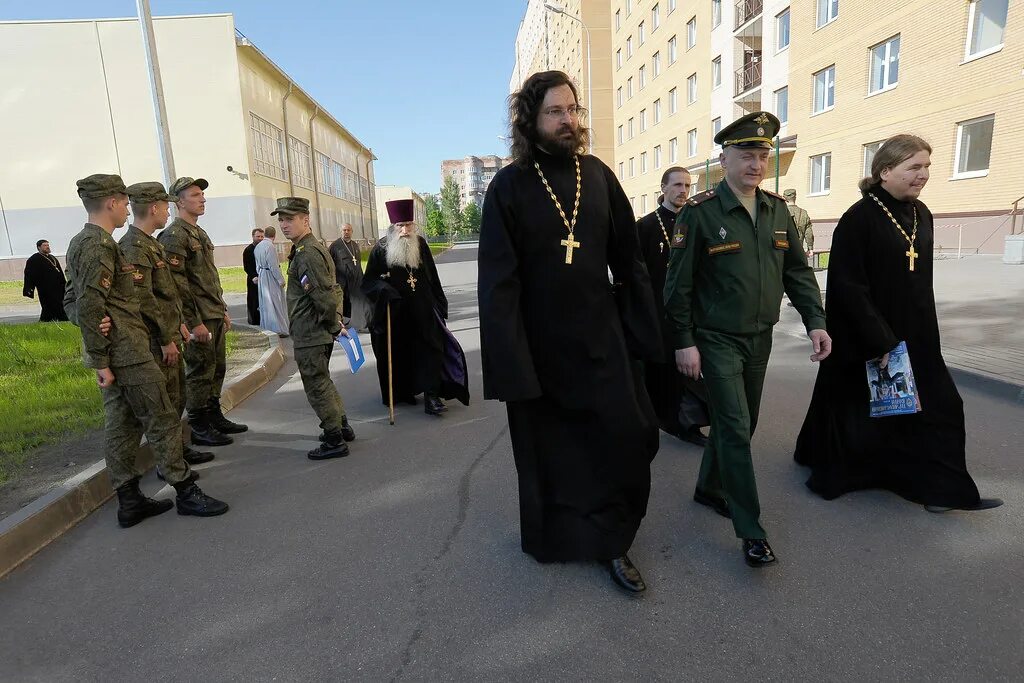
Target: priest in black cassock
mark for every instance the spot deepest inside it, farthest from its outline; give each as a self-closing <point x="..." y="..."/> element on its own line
<point x="879" y="294"/>
<point x="553" y="340"/>
<point x="252" y="288"/>
<point x="44" y="275"/>
<point x="426" y="358"/>
<point x="681" y="403"/>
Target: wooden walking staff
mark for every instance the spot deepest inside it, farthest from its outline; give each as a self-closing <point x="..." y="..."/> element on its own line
<point x="391" y="388"/>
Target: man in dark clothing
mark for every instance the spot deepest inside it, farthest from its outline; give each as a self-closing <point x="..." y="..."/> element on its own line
<point x="348" y="269"/>
<point x="679" y="401"/>
<point x="425" y="357"/>
<point x="553" y="340"/>
<point x="252" y="290"/>
<point x="43" y="274"/>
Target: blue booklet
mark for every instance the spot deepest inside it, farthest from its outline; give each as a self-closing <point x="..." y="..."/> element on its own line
<point x="893" y="389"/>
<point x="353" y="349"/>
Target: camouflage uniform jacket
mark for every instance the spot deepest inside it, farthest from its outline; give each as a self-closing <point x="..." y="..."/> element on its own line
<point x="190" y="259"/>
<point x="314" y="297"/>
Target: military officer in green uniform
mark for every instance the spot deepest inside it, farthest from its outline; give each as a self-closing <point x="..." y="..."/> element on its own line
<point x="802" y="221"/>
<point x="734" y="251"/>
<point x="158" y="297"/>
<point x="135" y="402"/>
<point x="314" y="317"/>
<point x="190" y="259"/>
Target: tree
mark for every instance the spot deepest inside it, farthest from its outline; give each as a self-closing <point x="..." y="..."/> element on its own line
<point x="451" y="206"/>
<point x="435" y="221"/>
<point x="471" y="218"/>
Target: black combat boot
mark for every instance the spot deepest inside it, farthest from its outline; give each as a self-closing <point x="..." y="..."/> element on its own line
<point x="221" y="423"/>
<point x="203" y="433"/>
<point x="192" y="501"/>
<point x="347" y="433"/>
<point x="133" y="507"/>
<point x="194" y="457"/>
<point x="333" y="446"/>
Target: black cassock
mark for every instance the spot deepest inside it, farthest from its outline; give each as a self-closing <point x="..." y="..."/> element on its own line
<point x="426" y="358"/>
<point x="45" y="277"/>
<point x="553" y="348"/>
<point x="680" y="402"/>
<point x="252" y="290"/>
<point x="872" y="303"/>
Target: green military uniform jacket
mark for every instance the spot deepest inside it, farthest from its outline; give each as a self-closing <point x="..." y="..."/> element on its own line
<point x="803" y="225"/>
<point x="100" y="283"/>
<point x="190" y="259"/>
<point x="314" y="297"/>
<point x="154" y="286"/>
<point x="728" y="274"/>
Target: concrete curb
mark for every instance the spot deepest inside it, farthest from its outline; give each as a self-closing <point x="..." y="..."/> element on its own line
<point x="47" y="518"/>
<point x="992" y="386"/>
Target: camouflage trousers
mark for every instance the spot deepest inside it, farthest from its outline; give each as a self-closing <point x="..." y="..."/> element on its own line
<point x="205" y="366"/>
<point x="137" y="404"/>
<point x="174" y="378"/>
<point x="323" y="397"/>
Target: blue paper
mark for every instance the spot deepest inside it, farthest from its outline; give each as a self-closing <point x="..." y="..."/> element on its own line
<point x="893" y="389"/>
<point x="353" y="349"/>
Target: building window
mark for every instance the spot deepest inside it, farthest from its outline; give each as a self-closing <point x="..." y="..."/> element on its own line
<point x="643" y="162"/>
<point x="629" y="47"/>
<point x="691" y="142"/>
<point x="821" y="173"/>
<point x="716" y="125"/>
<point x="629" y="128"/>
<point x="643" y="76"/>
<point x="622" y="170"/>
<point x="618" y="96"/>
<point x="618" y="59"/>
<point x="643" y="203"/>
<point x="673" y="150"/>
<point x="672" y="50"/>
<point x="632" y="169"/>
<point x="691" y="89"/>
<point x="324" y="175"/>
<point x="974" y="146"/>
<point x="824" y="90"/>
<point x="671" y="6"/>
<point x="302" y="164"/>
<point x="782" y="104"/>
<point x="629" y="7"/>
<point x="656" y="64"/>
<point x="629" y="88"/>
<point x="985" y="25"/>
<point x="869" y="155"/>
<point x="657" y="156"/>
<point x="618" y="19"/>
<point x="641" y="33"/>
<point x="655" y="18"/>
<point x="267" y="148"/>
<point x="643" y="120"/>
<point x="716" y="72"/>
<point x="691" y="32"/>
<point x="657" y="111"/>
<point x="828" y="10"/>
<point x="673" y="101"/>
<point x="782" y="31"/>
<point x="621" y="135"/>
<point x="716" y="13"/>
<point x="338" y="176"/>
<point x="885" y="65"/>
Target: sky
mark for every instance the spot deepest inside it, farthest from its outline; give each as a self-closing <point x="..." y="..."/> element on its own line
<point x="417" y="81"/>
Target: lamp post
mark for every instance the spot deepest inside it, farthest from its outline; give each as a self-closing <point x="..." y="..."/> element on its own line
<point x="558" y="9"/>
<point x="157" y="88"/>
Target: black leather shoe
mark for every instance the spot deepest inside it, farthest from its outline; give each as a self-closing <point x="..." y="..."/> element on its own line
<point x="693" y="435"/>
<point x="717" y="504"/>
<point x="626" y="575"/>
<point x="217" y="420"/>
<point x="757" y="552"/>
<point x="192" y="501"/>
<point x="133" y="507"/>
<point x="982" y="504"/>
<point x="204" y="433"/>
<point x="432" y="405"/>
<point x="328" y="450"/>
<point x="194" y="457"/>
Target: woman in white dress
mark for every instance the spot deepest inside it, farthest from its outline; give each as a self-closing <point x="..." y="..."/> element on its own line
<point x="273" y="307"/>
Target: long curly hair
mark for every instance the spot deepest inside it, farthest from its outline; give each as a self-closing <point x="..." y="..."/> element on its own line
<point x="524" y="108"/>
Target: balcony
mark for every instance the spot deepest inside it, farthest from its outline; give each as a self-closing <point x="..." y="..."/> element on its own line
<point x="747" y="10"/>
<point x="748" y="78"/>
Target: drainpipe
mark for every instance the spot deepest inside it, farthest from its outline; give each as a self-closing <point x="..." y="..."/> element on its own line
<point x="312" y="160"/>
<point x="370" y="195"/>
<point x="287" y="153"/>
<point x="359" y="197"/>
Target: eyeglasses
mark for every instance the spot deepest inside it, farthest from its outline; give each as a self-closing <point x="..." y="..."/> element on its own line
<point x="574" y="112"/>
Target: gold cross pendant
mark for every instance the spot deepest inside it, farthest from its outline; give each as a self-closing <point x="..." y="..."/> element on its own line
<point x="912" y="255"/>
<point x="569" y="245"/>
<point x="412" y="281"/>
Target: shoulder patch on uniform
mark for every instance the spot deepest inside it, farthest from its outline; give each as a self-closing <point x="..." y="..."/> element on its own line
<point x="774" y="194"/>
<point x="105" y="278"/>
<point x="679" y="238"/>
<point x="174" y="260"/>
<point x="700" y="197"/>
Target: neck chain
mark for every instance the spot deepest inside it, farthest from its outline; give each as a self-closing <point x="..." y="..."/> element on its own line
<point x="664" y="232"/>
<point x="571" y="242"/>
<point x="911" y="254"/>
<point x="52" y="260"/>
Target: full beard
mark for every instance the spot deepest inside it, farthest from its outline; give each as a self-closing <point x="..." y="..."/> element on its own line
<point x="563" y="145"/>
<point x="403" y="251"/>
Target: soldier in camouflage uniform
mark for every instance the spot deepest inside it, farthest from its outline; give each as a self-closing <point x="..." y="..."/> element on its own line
<point x="190" y="259"/>
<point x="314" y="315"/>
<point x="135" y="401"/>
<point x="157" y="294"/>
<point x="803" y="222"/>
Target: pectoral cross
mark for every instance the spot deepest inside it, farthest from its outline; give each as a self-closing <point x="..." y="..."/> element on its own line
<point x="411" y="281"/>
<point x="912" y="255"/>
<point x="569" y="245"/>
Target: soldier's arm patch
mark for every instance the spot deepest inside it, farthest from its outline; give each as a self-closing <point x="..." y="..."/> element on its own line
<point x="782" y="244"/>
<point x="679" y="238"/>
<point x="106" y="278"/>
<point x="138" y="278"/>
<point x="175" y="261"/>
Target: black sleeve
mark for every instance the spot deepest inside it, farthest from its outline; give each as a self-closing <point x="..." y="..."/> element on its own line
<point x="30" y="277"/>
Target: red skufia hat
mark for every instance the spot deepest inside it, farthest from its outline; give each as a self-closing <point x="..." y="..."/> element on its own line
<point x="399" y="210"/>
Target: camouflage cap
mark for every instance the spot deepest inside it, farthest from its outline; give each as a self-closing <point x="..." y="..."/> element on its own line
<point x="291" y="206"/>
<point x="100" y="185"/>
<point x="147" y="193"/>
<point x="789" y="194"/>
<point x="181" y="183"/>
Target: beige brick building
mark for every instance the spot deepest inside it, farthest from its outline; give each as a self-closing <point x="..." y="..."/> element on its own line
<point x="473" y="175"/>
<point x="387" y="193"/>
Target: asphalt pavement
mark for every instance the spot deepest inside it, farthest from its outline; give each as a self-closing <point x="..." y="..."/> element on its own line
<point x="402" y="561"/>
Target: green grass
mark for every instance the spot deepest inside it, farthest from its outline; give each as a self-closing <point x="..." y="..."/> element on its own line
<point x="10" y="294"/>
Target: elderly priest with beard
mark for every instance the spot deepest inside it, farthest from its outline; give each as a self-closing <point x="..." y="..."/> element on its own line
<point x="425" y="357"/>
